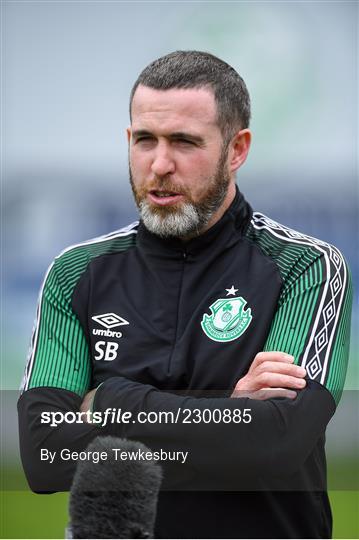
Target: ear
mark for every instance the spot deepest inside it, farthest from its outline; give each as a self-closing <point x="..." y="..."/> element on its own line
<point x="239" y="148"/>
<point x="128" y="131"/>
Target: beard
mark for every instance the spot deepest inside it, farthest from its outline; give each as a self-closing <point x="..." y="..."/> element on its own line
<point x="187" y="219"/>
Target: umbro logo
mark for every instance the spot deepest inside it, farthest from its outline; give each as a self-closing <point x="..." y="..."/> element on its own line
<point x="110" y="320"/>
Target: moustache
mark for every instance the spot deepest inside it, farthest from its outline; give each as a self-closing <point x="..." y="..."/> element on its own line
<point x="165" y="185"/>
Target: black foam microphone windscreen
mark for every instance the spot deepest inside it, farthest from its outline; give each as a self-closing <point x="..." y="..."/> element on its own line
<point x="115" y="497"/>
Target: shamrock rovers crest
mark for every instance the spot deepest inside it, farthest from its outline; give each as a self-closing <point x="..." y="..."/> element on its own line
<point x="228" y="320"/>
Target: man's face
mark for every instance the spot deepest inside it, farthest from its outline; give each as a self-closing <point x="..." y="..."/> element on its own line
<point x="178" y="164"/>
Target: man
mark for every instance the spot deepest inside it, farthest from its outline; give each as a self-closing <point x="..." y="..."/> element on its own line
<point x="203" y="307"/>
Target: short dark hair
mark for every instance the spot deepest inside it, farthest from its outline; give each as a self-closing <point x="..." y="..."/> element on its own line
<point x="197" y="69"/>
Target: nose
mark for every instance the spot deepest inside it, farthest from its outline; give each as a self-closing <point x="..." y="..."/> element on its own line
<point x="163" y="162"/>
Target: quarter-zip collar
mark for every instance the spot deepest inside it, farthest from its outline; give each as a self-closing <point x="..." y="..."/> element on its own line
<point x="229" y="229"/>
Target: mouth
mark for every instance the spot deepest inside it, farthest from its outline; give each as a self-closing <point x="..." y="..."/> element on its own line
<point x="164" y="198"/>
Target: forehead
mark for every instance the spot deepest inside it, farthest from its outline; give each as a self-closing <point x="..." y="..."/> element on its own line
<point x="177" y="108"/>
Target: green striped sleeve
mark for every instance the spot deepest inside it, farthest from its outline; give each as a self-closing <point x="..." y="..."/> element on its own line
<point x="60" y="357"/>
<point x="312" y="320"/>
<point x="59" y="354"/>
<point x="312" y="323"/>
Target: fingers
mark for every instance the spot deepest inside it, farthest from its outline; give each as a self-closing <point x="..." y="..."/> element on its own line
<point x="87" y="401"/>
<point x="271" y="374"/>
<point x="276" y="369"/>
<point x="277" y="380"/>
<point x="272" y="356"/>
<point x="265" y="364"/>
<point x="281" y="367"/>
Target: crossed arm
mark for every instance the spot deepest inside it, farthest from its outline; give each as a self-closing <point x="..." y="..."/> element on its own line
<point x="290" y="413"/>
<point x="280" y="437"/>
<point x="271" y="375"/>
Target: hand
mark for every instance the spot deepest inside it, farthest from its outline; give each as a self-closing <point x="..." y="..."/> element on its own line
<point x="86" y="405"/>
<point x="271" y="374"/>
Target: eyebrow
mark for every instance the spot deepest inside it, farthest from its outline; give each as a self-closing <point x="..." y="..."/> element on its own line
<point x="172" y="136"/>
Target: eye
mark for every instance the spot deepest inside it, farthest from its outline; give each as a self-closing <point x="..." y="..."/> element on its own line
<point x="144" y="140"/>
<point x="184" y="142"/>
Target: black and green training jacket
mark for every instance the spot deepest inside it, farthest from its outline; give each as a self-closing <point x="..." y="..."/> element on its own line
<point x="160" y="325"/>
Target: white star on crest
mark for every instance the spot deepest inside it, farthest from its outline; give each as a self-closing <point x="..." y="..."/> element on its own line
<point x="232" y="290"/>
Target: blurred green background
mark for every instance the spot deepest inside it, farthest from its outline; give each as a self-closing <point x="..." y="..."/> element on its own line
<point x="68" y="68"/>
